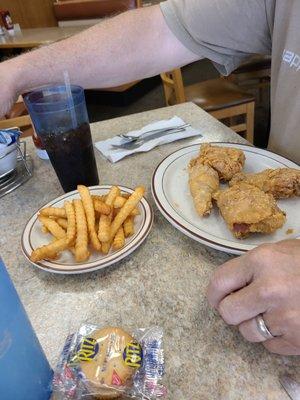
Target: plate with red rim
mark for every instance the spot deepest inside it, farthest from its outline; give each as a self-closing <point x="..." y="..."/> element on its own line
<point x="33" y="237"/>
<point x="172" y="196"/>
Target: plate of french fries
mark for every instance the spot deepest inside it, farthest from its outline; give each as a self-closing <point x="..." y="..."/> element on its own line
<point x="87" y="229"/>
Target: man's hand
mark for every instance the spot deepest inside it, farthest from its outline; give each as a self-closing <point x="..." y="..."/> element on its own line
<point x="8" y="88"/>
<point x="265" y="281"/>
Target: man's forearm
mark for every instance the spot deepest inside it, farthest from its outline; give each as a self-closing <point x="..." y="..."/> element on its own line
<point x="130" y="46"/>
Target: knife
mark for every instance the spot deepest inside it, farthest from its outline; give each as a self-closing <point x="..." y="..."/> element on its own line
<point x="290" y="385"/>
<point x="138" y="143"/>
<point x="131" y="138"/>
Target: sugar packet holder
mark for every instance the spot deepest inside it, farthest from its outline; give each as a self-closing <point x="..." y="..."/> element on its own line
<point x="109" y="363"/>
<point x="8" y="139"/>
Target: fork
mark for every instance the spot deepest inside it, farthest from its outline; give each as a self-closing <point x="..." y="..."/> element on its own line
<point x="154" y="131"/>
<point x="135" y="144"/>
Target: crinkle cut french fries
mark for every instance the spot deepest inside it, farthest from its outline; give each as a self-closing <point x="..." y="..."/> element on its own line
<point x="90" y="223"/>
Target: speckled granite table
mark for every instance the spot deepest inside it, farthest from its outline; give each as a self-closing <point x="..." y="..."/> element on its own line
<point x="162" y="283"/>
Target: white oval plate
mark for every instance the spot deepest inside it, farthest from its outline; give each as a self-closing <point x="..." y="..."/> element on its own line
<point x="33" y="237"/>
<point x="172" y="196"/>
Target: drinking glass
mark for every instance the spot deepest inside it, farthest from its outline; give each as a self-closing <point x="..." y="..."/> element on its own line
<point x="24" y="370"/>
<point x="61" y="122"/>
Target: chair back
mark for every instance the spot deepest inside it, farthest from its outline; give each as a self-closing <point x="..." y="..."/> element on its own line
<point x="18" y="116"/>
<point x="70" y="10"/>
<point x="21" y="122"/>
<point x="173" y="87"/>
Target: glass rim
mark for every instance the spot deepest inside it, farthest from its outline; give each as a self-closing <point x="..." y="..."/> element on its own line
<point x="76" y="91"/>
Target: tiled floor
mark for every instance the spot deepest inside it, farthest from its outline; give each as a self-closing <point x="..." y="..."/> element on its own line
<point x="149" y="95"/>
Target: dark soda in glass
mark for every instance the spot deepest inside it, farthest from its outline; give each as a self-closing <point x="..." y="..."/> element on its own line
<point x="72" y="156"/>
<point x="65" y="134"/>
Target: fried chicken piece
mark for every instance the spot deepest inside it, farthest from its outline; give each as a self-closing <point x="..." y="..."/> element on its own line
<point x="281" y="182"/>
<point x="247" y="209"/>
<point x="203" y="182"/>
<point x="227" y="161"/>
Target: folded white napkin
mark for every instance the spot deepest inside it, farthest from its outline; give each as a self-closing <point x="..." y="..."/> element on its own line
<point x="114" y="155"/>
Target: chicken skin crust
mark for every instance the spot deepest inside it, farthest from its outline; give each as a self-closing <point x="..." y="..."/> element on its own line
<point x="227" y="161"/>
<point x="246" y="209"/>
<point x="203" y="183"/>
<point x="282" y="183"/>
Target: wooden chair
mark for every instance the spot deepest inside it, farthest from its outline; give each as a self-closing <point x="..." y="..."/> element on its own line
<point x="19" y="117"/>
<point x="222" y="99"/>
<point x="81" y="10"/>
<point x="255" y="73"/>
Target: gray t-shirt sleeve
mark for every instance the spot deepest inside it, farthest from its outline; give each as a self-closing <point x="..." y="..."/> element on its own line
<point x="225" y="31"/>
